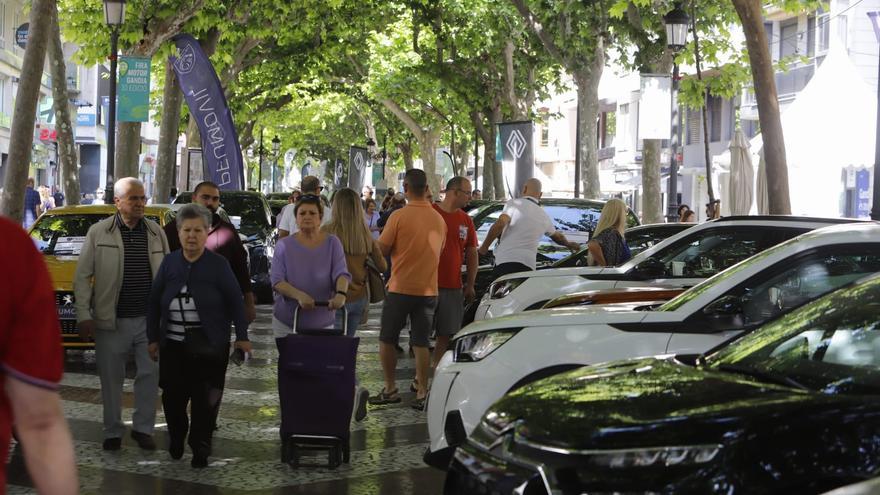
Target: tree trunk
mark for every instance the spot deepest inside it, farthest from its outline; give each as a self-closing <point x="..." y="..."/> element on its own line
<point x="169" y="133"/>
<point x="428" y="144"/>
<point x="406" y="152"/>
<point x="22" y="133"/>
<point x="588" y="98"/>
<point x="66" y="145"/>
<point x="497" y="172"/>
<point x="488" y="165"/>
<point x="128" y="149"/>
<point x="652" y="210"/>
<point x="751" y="16"/>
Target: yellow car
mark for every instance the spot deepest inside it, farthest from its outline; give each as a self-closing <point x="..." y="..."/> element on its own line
<point x="59" y="234"/>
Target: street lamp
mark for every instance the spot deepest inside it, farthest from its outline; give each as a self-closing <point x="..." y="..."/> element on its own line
<point x="114" y="16"/>
<point x="676" y="22"/>
<point x="276" y="146"/>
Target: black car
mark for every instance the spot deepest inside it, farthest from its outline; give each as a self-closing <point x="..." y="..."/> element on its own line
<point x="256" y="225"/>
<point x="792" y="407"/>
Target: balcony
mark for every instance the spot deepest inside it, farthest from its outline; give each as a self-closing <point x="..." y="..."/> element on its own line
<point x="788" y="84"/>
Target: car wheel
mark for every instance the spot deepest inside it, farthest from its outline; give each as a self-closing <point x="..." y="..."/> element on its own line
<point x="543" y="373"/>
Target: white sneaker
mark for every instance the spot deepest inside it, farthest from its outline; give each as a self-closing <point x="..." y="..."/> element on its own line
<point x="360" y="403"/>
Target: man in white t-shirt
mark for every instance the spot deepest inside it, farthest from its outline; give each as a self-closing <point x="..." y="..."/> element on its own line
<point x="519" y="229"/>
<point x="287" y="220"/>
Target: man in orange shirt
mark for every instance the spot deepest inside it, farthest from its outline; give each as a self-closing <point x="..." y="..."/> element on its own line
<point x="414" y="238"/>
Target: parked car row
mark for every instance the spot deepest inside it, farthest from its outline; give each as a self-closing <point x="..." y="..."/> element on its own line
<point x="746" y="358"/>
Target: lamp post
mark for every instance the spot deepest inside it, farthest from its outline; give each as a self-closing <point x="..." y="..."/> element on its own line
<point x="676" y="22"/>
<point x="261" y="151"/>
<point x="875" y="202"/>
<point x="276" y="146"/>
<point x="114" y="15"/>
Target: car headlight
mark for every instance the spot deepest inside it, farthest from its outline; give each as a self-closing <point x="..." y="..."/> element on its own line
<point x="477" y="346"/>
<point x="656" y="456"/>
<point x="504" y="287"/>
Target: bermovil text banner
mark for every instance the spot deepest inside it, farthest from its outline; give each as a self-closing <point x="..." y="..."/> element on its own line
<point x="207" y="104"/>
<point x="358" y="159"/>
<point x="517" y="155"/>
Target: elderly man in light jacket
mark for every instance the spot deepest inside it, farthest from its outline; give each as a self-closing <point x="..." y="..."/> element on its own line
<point x="118" y="261"/>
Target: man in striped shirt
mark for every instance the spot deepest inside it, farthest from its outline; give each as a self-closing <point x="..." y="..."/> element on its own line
<point x="113" y="309"/>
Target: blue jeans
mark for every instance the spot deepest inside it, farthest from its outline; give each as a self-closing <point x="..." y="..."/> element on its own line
<point x="355" y="311"/>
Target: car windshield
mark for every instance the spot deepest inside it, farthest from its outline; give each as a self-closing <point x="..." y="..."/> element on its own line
<point x="63" y="235"/>
<point x="249" y="207"/>
<point x="706" y="285"/>
<point x="831" y="344"/>
<point x="251" y="210"/>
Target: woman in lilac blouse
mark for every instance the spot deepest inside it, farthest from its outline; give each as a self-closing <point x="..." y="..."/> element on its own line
<point x="308" y="266"/>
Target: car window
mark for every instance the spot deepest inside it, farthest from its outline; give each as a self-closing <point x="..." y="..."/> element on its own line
<point x="488" y="220"/>
<point x="63" y="235"/>
<point x="573" y="218"/>
<point x="832" y="343"/>
<point x="710" y="251"/>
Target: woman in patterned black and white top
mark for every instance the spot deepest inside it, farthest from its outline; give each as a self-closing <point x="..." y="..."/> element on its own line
<point x="193" y="301"/>
<point x="608" y="246"/>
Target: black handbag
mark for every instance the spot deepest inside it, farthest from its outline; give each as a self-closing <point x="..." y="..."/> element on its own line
<point x="374" y="282"/>
<point x="197" y="343"/>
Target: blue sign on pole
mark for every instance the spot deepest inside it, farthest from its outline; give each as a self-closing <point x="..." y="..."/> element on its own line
<point x="863" y="194"/>
<point x="85" y="119"/>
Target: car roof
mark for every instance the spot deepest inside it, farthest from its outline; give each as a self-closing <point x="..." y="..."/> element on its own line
<point x="785" y="218"/>
<point x="102" y="208"/>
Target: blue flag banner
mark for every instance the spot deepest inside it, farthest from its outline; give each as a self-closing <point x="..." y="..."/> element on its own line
<point x="207" y="104"/>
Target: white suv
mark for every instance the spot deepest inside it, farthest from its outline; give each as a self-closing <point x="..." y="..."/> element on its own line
<point x="490" y="358"/>
<point x="682" y="260"/>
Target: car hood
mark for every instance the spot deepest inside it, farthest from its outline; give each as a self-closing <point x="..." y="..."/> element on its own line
<point x="62" y="270"/>
<point x="563" y="317"/>
<point x="647" y="402"/>
<point x="581" y="271"/>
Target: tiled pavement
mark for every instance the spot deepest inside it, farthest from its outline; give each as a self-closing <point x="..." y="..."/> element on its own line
<point x="387" y="446"/>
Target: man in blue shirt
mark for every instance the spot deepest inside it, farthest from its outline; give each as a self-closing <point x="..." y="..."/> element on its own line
<point x="31" y="202"/>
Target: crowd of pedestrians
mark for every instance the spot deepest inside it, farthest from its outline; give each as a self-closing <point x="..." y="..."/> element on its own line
<point x="173" y="296"/>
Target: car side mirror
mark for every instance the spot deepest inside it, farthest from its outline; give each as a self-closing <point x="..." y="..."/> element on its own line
<point x="651" y="268"/>
<point x="724" y="306"/>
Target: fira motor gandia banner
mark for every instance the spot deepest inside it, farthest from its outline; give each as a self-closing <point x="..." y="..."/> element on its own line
<point x="207" y="104"/>
<point x="517" y="155"/>
<point x="358" y="159"/>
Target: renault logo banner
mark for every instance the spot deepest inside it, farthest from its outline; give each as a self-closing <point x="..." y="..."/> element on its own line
<point x="339" y="174"/>
<point x="517" y="155"/>
<point x="358" y="159"/>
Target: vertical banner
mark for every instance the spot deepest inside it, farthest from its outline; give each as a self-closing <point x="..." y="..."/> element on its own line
<point x="863" y="193"/>
<point x="134" y="89"/>
<point x="339" y="174"/>
<point x="307" y="169"/>
<point x="207" y="104"/>
<point x="655" y="107"/>
<point x="358" y="158"/>
<point x="517" y="155"/>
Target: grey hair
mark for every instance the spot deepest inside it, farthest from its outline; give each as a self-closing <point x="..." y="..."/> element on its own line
<point x="122" y="185"/>
<point x="193" y="211"/>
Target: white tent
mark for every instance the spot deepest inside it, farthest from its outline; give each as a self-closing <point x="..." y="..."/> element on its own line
<point x="829" y="127"/>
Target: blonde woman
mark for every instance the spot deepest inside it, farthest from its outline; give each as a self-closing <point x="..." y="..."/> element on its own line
<point x="348" y="225"/>
<point x="47" y="202"/>
<point x="608" y="246"/>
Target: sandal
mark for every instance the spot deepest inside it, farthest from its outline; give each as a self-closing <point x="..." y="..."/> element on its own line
<point x="384" y="397"/>
<point x="419" y="404"/>
<point x="414" y="386"/>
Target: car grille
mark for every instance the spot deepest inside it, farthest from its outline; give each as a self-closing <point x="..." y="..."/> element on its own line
<point x="66" y="313"/>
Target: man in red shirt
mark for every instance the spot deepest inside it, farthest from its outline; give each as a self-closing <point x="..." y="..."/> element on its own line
<point x="461" y="244"/>
<point x="31" y="363"/>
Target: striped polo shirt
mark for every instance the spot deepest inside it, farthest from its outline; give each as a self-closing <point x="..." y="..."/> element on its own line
<point x="137" y="277"/>
<point x="182" y="313"/>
